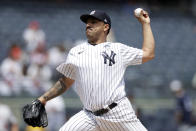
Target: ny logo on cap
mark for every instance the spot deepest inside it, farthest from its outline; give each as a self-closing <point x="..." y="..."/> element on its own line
<point x="105" y="20"/>
<point x="92" y="12"/>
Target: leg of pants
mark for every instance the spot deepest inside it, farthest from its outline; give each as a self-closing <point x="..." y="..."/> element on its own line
<point x="120" y="118"/>
<point x="81" y="121"/>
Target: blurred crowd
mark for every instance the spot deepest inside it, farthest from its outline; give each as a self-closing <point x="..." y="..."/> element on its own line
<point x="29" y="70"/>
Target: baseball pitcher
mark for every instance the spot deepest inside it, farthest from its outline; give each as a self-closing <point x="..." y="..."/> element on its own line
<point x="97" y="68"/>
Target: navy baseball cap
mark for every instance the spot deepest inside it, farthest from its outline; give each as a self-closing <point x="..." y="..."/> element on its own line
<point x="100" y="15"/>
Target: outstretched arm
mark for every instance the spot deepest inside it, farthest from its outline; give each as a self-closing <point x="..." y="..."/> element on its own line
<point x="148" y="38"/>
<point x="58" y="88"/>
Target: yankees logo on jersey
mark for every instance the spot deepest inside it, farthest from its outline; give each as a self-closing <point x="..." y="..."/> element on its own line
<point x="109" y="58"/>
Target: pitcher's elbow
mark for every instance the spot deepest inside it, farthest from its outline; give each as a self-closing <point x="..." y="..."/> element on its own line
<point x="147" y="57"/>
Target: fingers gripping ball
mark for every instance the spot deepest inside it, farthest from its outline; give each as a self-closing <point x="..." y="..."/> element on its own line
<point x="34" y="114"/>
<point x="138" y="12"/>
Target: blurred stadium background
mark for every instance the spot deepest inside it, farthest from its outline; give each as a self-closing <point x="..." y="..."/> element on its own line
<point x="174" y="27"/>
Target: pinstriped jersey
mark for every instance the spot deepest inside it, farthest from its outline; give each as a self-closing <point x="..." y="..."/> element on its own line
<point x="98" y="71"/>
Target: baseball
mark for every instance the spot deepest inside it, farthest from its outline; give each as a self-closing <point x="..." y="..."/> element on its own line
<point x="138" y="11"/>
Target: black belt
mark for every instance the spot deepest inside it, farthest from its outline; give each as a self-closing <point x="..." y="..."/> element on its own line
<point x="104" y="110"/>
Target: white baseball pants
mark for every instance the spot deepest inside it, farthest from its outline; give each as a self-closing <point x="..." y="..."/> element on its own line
<point x="120" y="118"/>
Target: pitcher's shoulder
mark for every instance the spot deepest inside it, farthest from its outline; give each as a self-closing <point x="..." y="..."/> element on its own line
<point x="77" y="48"/>
<point x="117" y="45"/>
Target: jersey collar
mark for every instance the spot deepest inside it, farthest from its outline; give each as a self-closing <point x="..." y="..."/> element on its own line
<point x="100" y="44"/>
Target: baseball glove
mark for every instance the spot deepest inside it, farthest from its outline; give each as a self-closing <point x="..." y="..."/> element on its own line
<point x="34" y="114"/>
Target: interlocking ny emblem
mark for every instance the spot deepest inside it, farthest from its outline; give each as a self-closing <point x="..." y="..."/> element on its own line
<point x="92" y="12"/>
<point x="109" y="58"/>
